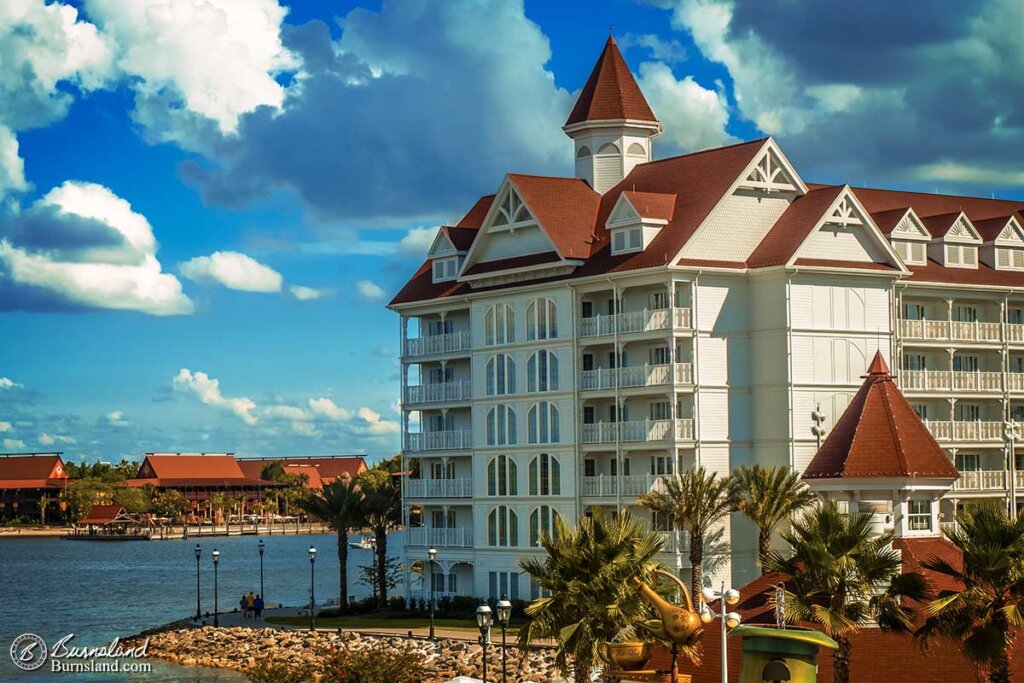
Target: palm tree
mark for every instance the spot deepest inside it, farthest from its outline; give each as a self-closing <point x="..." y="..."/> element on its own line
<point x="383" y="513"/>
<point x="843" y="576"/>
<point x="985" y="616"/>
<point x="340" y="506"/>
<point x="693" y="501"/>
<point x="585" y="580"/>
<point x="768" y="496"/>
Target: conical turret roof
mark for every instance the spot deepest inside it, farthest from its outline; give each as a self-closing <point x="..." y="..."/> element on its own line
<point x="611" y="92"/>
<point x="880" y="435"/>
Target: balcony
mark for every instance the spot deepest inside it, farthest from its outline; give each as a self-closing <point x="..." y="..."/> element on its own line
<point x="438" y="343"/>
<point x="451" y="440"/>
<point x="1015" y="333"/>
<point x="962" y="430"/>
<point x="981" y="480"/>
<point x="632" y="485"/>
<point x="639" y="430"/>
<point x="636" y="376"/>
<point x="675" y="541"/>
<point x="439" y="488"/>
<point x="951" y="380"/>
<point x="1015" y="381"/>
<point x="950" y="330"/>
<point x="431" y="537"/>
<point x="635" y="321"/>
<point x="459" y="390"/>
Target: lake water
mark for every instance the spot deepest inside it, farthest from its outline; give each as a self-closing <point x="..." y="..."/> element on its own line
<point x="52" y="587"/>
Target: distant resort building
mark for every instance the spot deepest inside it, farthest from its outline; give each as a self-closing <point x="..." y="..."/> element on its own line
<point x="30" y="486"/>
<point x="318" y="469"/>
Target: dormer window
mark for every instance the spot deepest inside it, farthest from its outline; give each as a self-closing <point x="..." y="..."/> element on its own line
<point x="625" y="240"/>
<point x="1009" y="258"/>
<point x="637" y="218"/>
<point x="961" y="256"/>
<point x="446" y="269"/>
<point x="912" y="253"/>
<point x="956" y="240"/>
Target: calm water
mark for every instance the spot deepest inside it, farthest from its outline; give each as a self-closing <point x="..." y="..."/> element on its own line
<point x="97" y="591"/>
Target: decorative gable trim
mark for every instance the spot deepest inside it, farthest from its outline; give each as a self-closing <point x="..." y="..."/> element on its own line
<point x="910" y="227"/>
<point x="1012" y="234"/>
<point x="962" y="231"/>
<point x="441" y="246"/>
<point x="770" y="172"/>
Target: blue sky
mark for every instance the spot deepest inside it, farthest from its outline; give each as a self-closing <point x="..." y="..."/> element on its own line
<point x="204" y="211"/>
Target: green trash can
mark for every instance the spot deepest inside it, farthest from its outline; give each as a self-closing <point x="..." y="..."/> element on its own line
<point x="775" y="655"/>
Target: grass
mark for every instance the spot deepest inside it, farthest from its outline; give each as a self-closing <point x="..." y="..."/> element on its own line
<point x="385" y="620"/>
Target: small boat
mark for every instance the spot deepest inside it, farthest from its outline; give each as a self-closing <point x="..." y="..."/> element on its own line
<point x="365" y="543"/>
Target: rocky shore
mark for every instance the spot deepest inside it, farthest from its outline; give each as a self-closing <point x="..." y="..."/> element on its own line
<point x="242" y="648"/>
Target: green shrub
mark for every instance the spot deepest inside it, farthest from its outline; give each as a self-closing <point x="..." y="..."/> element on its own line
<point x="265" y="672"/>
<point x="374" y="664"/>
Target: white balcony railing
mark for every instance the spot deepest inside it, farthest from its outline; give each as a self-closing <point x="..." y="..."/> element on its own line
<point x="438" y="343"/>
<point x="636" y="376"/>
<point x="451" y="440"/>
<point x="1015" y="381"/>
<point x="439" y="488"/>
<point x="459" y="537"/>
<point x="963" y="430"/>
<point x="1014" y="333"/>
<point x="635" y="321"/>
<point x="950" y="380"/>
<point x="950" y="330"/>
<point x="627" y="485"/>
<point x="638" y="430"/>
<point x="981" y="480"/>
<point x="675" y="541"/>
<point x="458" y="390"/>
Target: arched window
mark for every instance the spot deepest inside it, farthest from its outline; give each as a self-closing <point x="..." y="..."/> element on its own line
<point x="502" y="527"/>
<point x="545" y="476"/>
<point x="636" y="149"/>
<point x="541" y="320"/>
<point x="608" y="148"/>
<point x="501" y="426"/>
<point x="499" y="325"/>
<point x="583" y="151"/>
<point x="501" y="375"/>
<point x="543" y="420"/>
<point x="542" y="372"/>
<point x="501" y="476"/>
<point x="542" y="523"/>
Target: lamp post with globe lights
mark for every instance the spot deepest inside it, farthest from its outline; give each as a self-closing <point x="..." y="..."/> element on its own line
<point x="504" y="615"/>
<point x="729" y="620"/>
<point x="261" y="547"/>
<point x="432" y="555"/>
<point x="216" y="561"/>
<point x="484" y="619"/>
<point x="199" y="615"/>
<point x="312" y="601"/>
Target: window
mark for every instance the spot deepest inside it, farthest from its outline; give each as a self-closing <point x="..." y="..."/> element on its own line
<point x="499" y="325"/>
<point x="636" y="149"/>
<point x="968" y="462"/>
<point x="614" y="467"/>
<point x="586" y="309"/>
<point x="503" y="583"/>
<point x="541" y="320"/>
<point x="914" y="361"/>
<point x="967" y="412"/>
<point x="661" y="410"/>
<point x="437" y="327"/>
<point x="502" y="527"/>
<point x="659" y="355"/>
<point x="542" y="523"/>
<point x="1016" y="364"/>
<point x="583" y="151"/>
<point x="910" y="252"/>
<point x="964" y="363"/>
<point x="660" y="521"/>
<point x="1017" y="413"/>
<point x="440" y="375"/>
<point x="627" y="239"/>
<point x="658" y="301"/>
<point x="442" y="470"/>
<point x="1009" y="258"/>
<point x="589" y="467"/>
<point x="542" y="372"/>
<point x="501" y="426"/>
<point x="913" y="312"/>
<point x="588" y="362"/>
<point x="962" y="255"/>
<point x="1016" y="316"/>
<point x="921" y="409"/>
<point x="543" y="421"/>
<point x="445" y="269"/>
<point x="441" y="422"/>
<point x="545" y="476"/>
<point x="443" y="519"/>
<point x="536" y="591"/>
<point x="588" y="415"/>
<point x="965" y="314"/>
<point x="920" y="515"/>
<point x="661" y="464"/>
<point x="502" y="475"/>
<point x="501" y="375"/>
<point x="437" y="578"/>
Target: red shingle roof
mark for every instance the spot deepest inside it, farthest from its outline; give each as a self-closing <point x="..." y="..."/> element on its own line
<point x="32" y="471"/>
<point x="611" y="93"/>
<point x="989" y="228"/>
<point x="564" y="207"/>
<point x="939" y="225"/>
<point x="652" y="204"/>
<point x="105" y="514"/>
<point x="880" y="435"/>
<point x="513" y="262"/>
<point x="793" y="227"/>
<point x="191" y="470"/>
<point x="474" y="218"/>
<point x="320" y="470"/>
<point x="888" y="220"/>
<point x="461" y="238"/>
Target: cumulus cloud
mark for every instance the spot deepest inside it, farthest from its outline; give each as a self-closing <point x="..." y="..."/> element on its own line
<point x="368" y="291"/>
<point x="207" y="389"/>
<point x="83" y="244"/>
<point x="50" y="439"/>
<point x="8" y="383"/>
<point x="668" y="51"/>
<point x="116" y="418"/>
<point x="376" y="424"/>
<point x="234" y="271"/>
<point x="327" y="408"/>
<point x="12" y="444"/>
<point x="416" y="242"/>
<point x="5" y="426"/>
<point x="306" y="293"/>
<point x="695" y="117"/>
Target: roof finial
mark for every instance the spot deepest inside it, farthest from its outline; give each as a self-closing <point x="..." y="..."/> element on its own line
<point x="610" y="27"/>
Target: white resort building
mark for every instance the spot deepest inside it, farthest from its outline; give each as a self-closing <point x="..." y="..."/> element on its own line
<point x="569" y="340"/>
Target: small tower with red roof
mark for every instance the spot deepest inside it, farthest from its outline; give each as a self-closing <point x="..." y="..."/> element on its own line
<point x="612" y="125"/>
<point x="880" y="458"/>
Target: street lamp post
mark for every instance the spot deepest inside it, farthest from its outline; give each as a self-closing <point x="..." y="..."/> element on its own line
<point x="729" y="620"/>
<point x="216" y="561"/>
<point x="484" y="620"/>
<point x="1011" y="433"/>
<point x="312" y="601"/>
<point x="504" y="615"/>
<point x="432" y="554"/>
<point x="199" y="551"/>
<point x="261" y="547"/>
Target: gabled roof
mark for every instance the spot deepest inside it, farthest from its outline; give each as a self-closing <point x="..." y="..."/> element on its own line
<point x="880" y="435"/>
<point x="991" y="228"/>
<point x="565" y="208"/>
<point x="319" y="469"/>
<point x="656" y="205"/>
<point x="939" y="226"/>
<point x="474" y="218"/>
<point x="611" y="93"/>
<point x="106" y="514"/>
<point x="793" y="227"/>
<point x="461" y="238"/>
<point x="43" y="470"/>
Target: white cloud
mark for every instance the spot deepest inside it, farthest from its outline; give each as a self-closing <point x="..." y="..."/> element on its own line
<point x="5" y="426"/>
<point x="669" y="51"/>
<point x="116" y="418"/>
<point x="306" y="293"/>
<point x="369" y="291"/>
<point x="12" y="444"/>
<point x="375" y="424"/>
<point x="84" y="244"/>
<point x="327" y="408"/>
<point x="12" y="166"/>
<point x="7" y="383"/>
<point x="416" y="242"/>
<point x="234" y="271"/>
<point x="192" y="61"/>
<point x="305" y="429"/>
<point x="208" y="391"/>
<point x="48" y="439"/>
<point x="695" y="116"/>
<point x="286" y="412"/>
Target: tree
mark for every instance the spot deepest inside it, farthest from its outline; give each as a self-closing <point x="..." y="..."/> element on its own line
<point x="383" y="507"/>
<point x="984" y="616"/>
<point x="133" y="500"/>
<point x="693" y="501"/>
<point x="768" y="496"/>
<point x="340" y="506"/>
<point x="843" y="576"/>
<point x="393" y="572"/>
<point x="80" y="495"/>
<point x="586" y="580"/>
<point x="171" y="504"/>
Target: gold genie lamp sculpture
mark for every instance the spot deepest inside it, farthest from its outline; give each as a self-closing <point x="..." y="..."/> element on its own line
<point x="678" y="626"/>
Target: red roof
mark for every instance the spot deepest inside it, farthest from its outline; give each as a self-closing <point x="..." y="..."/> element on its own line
<point x="989" y="228"/>
<point x="513" y="262"/>
<point x="32" y="471"/>
<point x="564" y="207"/>
<point x="189" y="469"/>
<point x="793" y="227"/>
<point x="319" y="469"/>
<point x="474" y="218"/>
<point x="461" y="238"/>
<point x="880" y="435"/>
<point x="611" y="93"/>
<point x="652" y="204"/>
<point x="888" y="220"/>
<point x="104" y="514"/>
<point x="940" y="225"/>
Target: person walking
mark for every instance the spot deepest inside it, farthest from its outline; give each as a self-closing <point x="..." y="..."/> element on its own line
<point x="258" y="607"/>
<point x="250" y="601"/>
<point x="243" y="607"/>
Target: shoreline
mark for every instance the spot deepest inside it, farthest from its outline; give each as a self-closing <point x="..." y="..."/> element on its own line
<point x="176" y="532"/>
